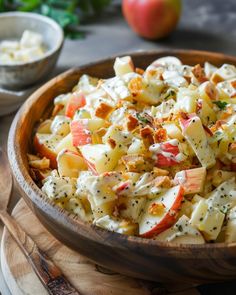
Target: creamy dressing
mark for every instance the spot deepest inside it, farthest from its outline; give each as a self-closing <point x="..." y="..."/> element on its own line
<point x="157" y="148"/>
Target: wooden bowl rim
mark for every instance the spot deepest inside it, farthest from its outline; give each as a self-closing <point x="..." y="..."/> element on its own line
<point x="69" y="220"/>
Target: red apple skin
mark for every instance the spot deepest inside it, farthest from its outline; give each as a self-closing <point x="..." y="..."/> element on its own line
<point x="152" y="19"/>
<point x="43" y="151"/>
<point x="168" y="219"/>
<point x="75" y="102"/>
<point x="80" y="134"/>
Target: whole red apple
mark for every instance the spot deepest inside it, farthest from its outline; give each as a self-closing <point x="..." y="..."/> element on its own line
<point x="152" y="19"/>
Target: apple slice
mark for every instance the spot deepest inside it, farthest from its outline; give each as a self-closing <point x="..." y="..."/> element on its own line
<point x="65" y="143"/>
<point x="116" y="225"/>
<point x="209" y="69"/>
<point x="82" y="130"/>
<point x="167" y="61"/>
<point x="230" y="230"/>
<point x="45" y="127"/>
<point x="70" y="163"/>
<point x="167" y="153"/>
<point x="100" y="157"/>
<point x="60" y="125"/>
<point x="195" y="134"/>
<point x="181" y="233"/>
<point x="45" y="145"/>
<point x="59" y="188"/>
<point x="192" y="180"/>
<point x="123" y="65"/>
<point x="80" y="133"/>
<point x="161" y="213"/>
<point x="224" y="196"/>
<point x="76" y="101"/>
<point x="225" y="72"/>
<point x="173" y="131"/>
<point x="208" y="219"/>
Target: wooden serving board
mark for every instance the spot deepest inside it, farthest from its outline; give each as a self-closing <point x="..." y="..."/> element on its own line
<point x="88" y="278"/>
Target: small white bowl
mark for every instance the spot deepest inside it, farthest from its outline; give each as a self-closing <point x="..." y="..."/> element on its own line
<point x="12" y="26"/>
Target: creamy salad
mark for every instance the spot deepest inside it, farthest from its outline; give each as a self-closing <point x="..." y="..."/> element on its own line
<point x="149" y="152"/>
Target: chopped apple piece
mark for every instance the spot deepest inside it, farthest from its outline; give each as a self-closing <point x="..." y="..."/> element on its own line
<point x="209" y="69"/>
<point x="167" y="153"/>
<point x="75" y="206"/>
<point x="116" y="88"/>
<point x="86" y="84"/>
<point x="192" y="180"/>
<point x="59" y="188"/>
<point x="181" y="233"/>
<point x="143" y="91"/>
<point x="186" y="208"/>
<point x="116" y="133"/>
<point x="116" y="225"/>
<point x="123" y="65"/>
<point x="82" y="130"/>
<point x="206" y="113"/>
<point x="41" y="164"/>
<point x="99" y="193"/>
<point x="208" y="92"/>
<point x="151" y="224"/>
<point x="70" y="163"/>
<point x="225" y="72"/>
<point x="98" y="190"/>
<point x="76" y="101"/>
<point x="60" y="125"/>
<point x="227" y="89"/>
<point x="194" y="132"/>
<point x="45" y="145"/>
<point x="224" y="196"/>
<point x="131" y="208"/>
<point x="173" y="131"/>
<point x="45" y="127"/>
<point x="167" y="61"/>
<point x="137" y="147"/>
<point x="65" y="143"/>
<point x="100" y="157"/>
<point x="186" y="103"/>
<point x="208" y="220"/>
<point x="220" y="176"/>
<point x="80" y="133"/>
<point x="230" y="231"/>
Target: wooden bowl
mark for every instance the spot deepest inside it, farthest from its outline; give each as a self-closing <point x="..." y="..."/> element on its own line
<point x="133" y="256"/>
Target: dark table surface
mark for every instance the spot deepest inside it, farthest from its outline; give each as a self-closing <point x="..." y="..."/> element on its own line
<point x="205" y="25"/>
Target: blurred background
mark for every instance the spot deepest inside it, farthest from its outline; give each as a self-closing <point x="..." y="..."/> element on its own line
<point x="103" y="31"/>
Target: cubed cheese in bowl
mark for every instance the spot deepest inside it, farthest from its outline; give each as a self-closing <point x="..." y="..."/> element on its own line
<point x="32" y="58"/>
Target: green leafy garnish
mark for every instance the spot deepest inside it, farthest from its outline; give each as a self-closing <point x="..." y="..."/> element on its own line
<point x="67" y="13"/>
<point x="142" y="118"/>
<point x="170" y="94"/>
<point x="221" y="104"/>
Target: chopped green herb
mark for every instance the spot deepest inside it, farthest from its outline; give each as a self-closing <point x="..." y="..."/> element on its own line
<point x="168" y="95"/>
<point x="142" y="118"/>
<point x="221" y="104"/>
